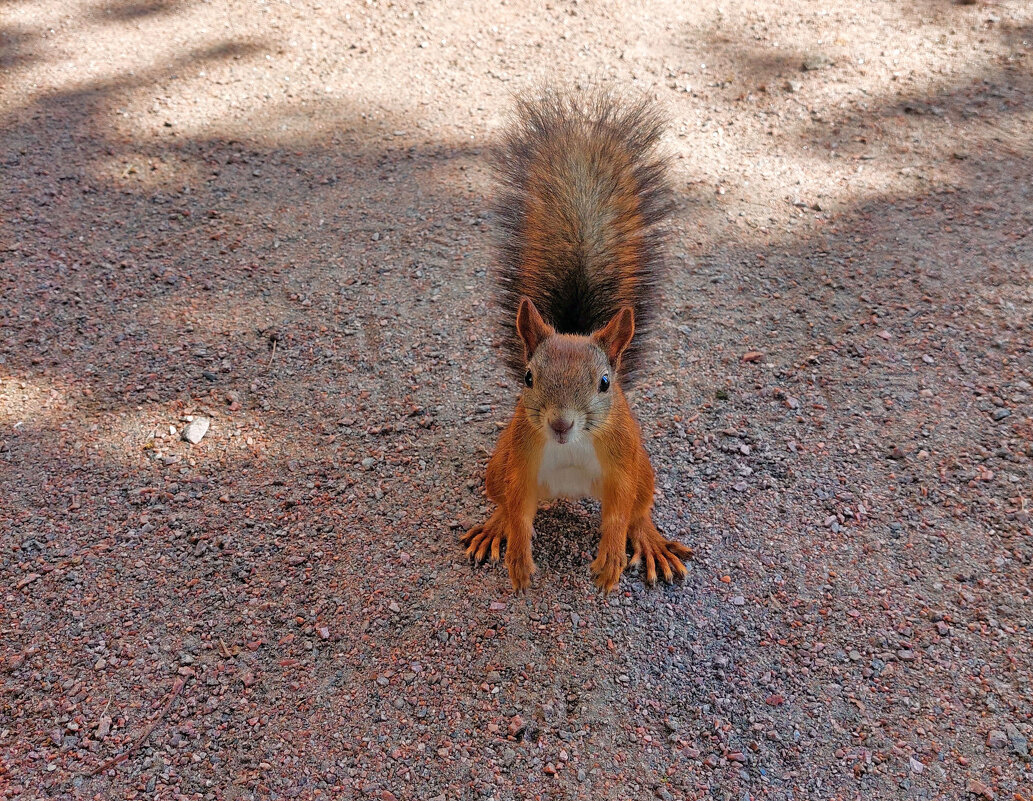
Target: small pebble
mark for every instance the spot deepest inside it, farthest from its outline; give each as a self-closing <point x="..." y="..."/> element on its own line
<point x="815" y="61"/>
<point x="195" y="430"/>
<point x="1016" y="740"/>
<point x="996" y="739"/>
<point x="976" y="787"/>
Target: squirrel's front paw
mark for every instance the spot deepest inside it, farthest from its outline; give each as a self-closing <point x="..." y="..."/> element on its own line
<point x="521" y="567"/>
<point x="607" y="568"/>
<point x="658" y="554"/>
<point x="480" y="541"/>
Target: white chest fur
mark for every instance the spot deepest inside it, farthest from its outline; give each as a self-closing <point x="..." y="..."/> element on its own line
<point x="570" y="470"/>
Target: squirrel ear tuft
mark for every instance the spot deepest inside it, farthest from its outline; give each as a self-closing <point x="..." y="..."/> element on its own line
<point x="616" y="335"/>
<point x="531" y="327"/>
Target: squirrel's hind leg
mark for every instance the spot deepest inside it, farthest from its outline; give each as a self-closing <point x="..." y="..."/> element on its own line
<point x="658" y="553"/>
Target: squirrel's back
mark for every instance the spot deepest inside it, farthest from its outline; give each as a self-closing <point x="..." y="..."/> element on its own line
<point x="583" y="194"/>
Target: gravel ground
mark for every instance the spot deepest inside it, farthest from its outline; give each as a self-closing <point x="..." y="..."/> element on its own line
<point x="272" y="215"/>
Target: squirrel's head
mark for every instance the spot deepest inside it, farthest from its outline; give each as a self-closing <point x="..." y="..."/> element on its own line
<point x="571" y="379"/>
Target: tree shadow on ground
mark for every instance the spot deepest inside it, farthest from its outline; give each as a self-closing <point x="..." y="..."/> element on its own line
<point x="131" y="10"/>
<point x="157" y="274"/>
<point x="15" y="47"/>
<point x="896" y="334"/>
<point x="323" y="302"/>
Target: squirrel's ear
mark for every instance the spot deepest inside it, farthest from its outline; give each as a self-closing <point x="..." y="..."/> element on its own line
<point x="615" y="337"/>
<point x="531" y="327"/>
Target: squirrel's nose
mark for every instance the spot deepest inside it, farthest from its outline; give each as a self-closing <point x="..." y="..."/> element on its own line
<point x="561" y="426"/>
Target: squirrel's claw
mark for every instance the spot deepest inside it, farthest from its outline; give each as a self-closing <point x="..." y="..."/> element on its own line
<point x="607" y="568"/>
<point x="483" y="541"/>
<point x="661" y="557"/>
<point x="520" y="572"/>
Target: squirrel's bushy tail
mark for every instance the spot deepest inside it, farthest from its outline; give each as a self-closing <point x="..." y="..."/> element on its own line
<point x="582" y="194"/>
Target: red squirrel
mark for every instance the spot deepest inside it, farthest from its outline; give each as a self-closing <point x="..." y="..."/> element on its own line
<point x="583" y="195"/>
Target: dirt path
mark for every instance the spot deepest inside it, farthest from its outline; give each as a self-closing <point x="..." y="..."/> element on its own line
<point x="273" y="215"/>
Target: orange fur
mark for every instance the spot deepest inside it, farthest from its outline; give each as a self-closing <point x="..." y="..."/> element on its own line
<point x="580" y="211"/>
<point x="627" y="503"/>
<point x="584" y="195"/>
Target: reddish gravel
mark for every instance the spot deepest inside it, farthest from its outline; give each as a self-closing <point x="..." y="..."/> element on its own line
<point x="272" y="215"/>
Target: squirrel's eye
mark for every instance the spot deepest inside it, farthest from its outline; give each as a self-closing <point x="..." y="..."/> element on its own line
<point x="604" y="383"/>
<point x="528" y="379"/>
